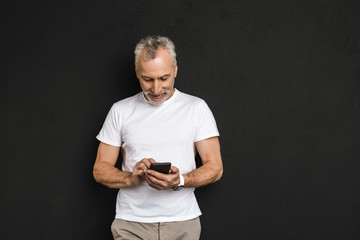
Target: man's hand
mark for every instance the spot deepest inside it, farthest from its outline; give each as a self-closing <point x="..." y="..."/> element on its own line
<point x="137" y="175"/>
<point x="161" y="181"/>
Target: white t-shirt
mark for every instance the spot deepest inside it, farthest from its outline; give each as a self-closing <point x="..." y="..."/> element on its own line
<point x="166" y="133"/>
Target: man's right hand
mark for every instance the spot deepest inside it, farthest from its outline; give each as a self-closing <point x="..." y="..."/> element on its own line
<point x="137" y="176"/>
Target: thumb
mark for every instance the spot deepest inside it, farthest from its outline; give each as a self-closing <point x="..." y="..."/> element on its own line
<point x="174" y="170"/>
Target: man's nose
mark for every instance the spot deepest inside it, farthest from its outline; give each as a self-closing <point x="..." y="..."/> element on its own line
<point x="156" y="89"/>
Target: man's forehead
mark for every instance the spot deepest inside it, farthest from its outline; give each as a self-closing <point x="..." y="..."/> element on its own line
<point x="155" y="72"/>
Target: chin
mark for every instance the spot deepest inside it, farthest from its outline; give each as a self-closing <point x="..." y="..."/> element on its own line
<point x="157" y="102"/>
<point x="160" y="101"/>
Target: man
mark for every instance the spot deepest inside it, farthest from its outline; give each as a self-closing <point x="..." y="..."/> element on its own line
<point x="159" y="124"/>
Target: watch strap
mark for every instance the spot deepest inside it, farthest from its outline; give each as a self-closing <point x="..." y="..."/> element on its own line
<point x="181" y="184"/>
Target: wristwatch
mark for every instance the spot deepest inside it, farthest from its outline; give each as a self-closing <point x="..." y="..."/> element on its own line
<point x="181" y="184"/>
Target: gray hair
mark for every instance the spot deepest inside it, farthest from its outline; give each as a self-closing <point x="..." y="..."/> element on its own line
<point x="151" y="45"/>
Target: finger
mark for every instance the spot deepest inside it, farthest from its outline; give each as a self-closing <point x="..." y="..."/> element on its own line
<point x="174" y="170"/>
<point x="153" y="175"/>
<point x="158" y="175"/>
<point x="144" y="164"/>
<point x="151" y="160"/>
<point x="147" y="162"/>
<point x="139" y="172"/>
<point x="156" y="183"/>
<point x="140" y="163"/>
<point x="153" y="185"/>
<point x="140" y="169"/>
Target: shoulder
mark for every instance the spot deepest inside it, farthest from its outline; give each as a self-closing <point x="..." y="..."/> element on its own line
<point x="194" y="104"/>
<point x="124" y="107"/>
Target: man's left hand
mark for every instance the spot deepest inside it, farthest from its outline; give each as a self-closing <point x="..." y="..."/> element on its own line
<point x="161" y="181"/>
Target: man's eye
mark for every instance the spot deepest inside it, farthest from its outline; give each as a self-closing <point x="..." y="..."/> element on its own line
<point x="163" y="79"/>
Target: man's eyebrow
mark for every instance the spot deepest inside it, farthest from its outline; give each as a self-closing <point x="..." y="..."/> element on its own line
<point x="144" y="76"/>
<point x="166" y="75"/>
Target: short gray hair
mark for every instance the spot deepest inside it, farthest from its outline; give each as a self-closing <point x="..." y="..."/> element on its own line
<point x="152" y="44"/>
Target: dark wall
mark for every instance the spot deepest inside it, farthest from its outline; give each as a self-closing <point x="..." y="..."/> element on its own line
<point x="281" y="77"/>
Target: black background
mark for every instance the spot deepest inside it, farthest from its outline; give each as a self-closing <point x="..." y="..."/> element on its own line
<point x="281" y="77"/>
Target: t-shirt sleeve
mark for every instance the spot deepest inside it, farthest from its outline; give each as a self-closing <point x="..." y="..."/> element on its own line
<point x="110" y="132"/>
<point x="206" y="124"/>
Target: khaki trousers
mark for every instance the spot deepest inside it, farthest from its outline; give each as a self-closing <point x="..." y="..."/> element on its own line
<point x="182" y="230"/>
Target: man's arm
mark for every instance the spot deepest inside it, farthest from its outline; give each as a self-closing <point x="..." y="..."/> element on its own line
<point x="212" y="168"/>
<point x="107" y="174"/>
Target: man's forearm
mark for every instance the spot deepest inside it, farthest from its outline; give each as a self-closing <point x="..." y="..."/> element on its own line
<point x="202" y="176"/>
<point x="110" y="176"/>
<point x="212" y="168"/>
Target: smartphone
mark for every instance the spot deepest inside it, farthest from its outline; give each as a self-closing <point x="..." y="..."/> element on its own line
<point x="163" y="167"/>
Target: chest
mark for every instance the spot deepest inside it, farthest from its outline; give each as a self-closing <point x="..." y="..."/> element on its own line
<point x="160" y="128"/>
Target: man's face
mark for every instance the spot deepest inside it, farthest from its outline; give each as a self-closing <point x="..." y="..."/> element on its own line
<point x="157" y="76"/>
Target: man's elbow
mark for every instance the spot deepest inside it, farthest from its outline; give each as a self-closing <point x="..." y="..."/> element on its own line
<point x="96" y="174"/>
<point x="219" y="174"/>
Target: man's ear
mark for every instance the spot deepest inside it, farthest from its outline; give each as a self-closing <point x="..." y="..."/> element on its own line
<point x="137" y="73"/>
<point x="175" y="73"/>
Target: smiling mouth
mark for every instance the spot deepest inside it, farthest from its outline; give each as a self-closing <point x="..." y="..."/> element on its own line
<point x="157" y="97"/>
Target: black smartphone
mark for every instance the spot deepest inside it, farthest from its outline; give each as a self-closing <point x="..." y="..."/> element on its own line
<point x="163" y="167"/>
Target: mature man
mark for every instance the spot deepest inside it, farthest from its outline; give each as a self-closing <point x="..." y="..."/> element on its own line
<point x="159" y="124"/>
